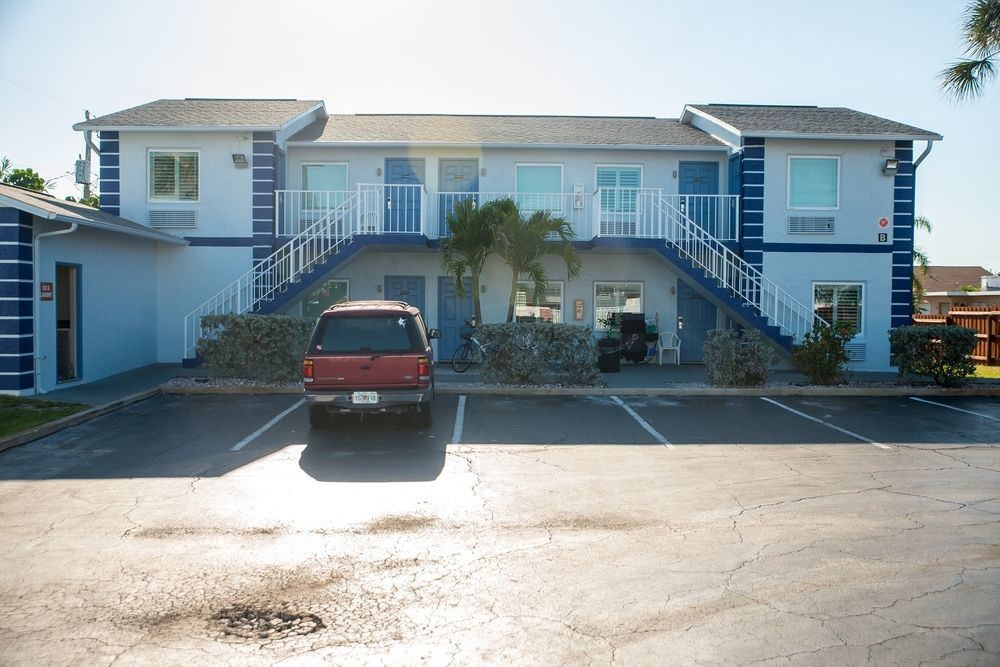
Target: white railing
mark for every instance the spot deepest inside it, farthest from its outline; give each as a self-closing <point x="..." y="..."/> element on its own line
<point x="274" y="274"/>
<point x="573" y="207"/>
<point x="733" y="273"/>
<point x="299" y="209"/>
<point x="633" y="213"/>
<point x="716" y="214"/>
<point x="391" y="209"/>
<point x="627" y="212"/>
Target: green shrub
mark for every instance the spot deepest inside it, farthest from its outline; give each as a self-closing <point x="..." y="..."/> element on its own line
<point x="822" y="355"/>
<point x="269" y="348"/>
<point x="938" y="352"/>
<point x="737" y="358"/>
<point x="533" y="352"/>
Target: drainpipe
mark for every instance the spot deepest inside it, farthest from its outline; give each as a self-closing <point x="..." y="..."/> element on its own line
<point x="927" y="151"/>
<point x="38" y="302"/>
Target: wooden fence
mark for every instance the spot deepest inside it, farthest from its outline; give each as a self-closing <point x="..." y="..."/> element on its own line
<point x="985" y="322"/>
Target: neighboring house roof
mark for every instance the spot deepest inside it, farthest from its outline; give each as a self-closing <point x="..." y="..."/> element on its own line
<point x="564" y="131"/>
<point x="951" y="278"/>
<point x="48" y="207"/>
<point x="199" y="114"/>
<point x="805" y="122"/>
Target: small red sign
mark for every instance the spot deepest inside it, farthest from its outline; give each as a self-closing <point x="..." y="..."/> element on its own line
<point x="46" y="292"/>
<point x="883" y="222"/>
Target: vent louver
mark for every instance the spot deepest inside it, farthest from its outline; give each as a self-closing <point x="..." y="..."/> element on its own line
<point x="855" y="351"/>
<point x="799" y="224"/>
<point x="173" y="219"/>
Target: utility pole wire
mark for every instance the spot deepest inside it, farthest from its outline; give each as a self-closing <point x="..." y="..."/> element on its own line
<point x="38" y="92"/>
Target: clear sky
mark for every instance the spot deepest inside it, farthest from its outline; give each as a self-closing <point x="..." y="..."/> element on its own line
<point x="582" y="57"/>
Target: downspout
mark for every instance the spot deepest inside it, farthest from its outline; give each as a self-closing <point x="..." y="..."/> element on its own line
<point x="927" y="151"/>
<point x="38" y="301"/>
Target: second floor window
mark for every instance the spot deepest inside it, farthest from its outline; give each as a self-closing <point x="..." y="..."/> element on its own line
<point x="814" y="182"/>
<point x="539" y="187"/>
<point x="173" y="175"/>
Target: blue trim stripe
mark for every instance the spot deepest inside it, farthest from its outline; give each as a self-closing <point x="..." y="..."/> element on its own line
<point x="904" y="190"/>
<point x="109" y="183"/>
<point x="752" y="200"/>
<point x="16" y="304"/>
<point x="262" y="202"/>
<point x="839" y="248"/>
<point x="219" y="241"/>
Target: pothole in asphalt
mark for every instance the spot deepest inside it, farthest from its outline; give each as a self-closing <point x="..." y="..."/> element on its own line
<point x="264" y="624"/>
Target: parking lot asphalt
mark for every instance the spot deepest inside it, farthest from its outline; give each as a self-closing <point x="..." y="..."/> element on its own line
<point x="530" y="530"/>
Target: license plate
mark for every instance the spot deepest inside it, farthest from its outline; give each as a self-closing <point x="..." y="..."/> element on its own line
<point x="364" y="398"/>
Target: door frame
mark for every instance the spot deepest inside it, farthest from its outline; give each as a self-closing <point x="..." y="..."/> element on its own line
<point x="442" y="281"/>
<point x="423" y="290"/>
<point x="442" y="213"/>
<point x="697" y="356"/>
<point x="76" y="318"/>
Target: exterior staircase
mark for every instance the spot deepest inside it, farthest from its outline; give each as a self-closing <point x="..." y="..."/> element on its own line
<point x="718" y="272"/>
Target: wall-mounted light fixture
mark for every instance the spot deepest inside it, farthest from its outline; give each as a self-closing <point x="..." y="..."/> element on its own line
<point x="891" y="167"/>
<point x="378" y="288"/>
<point x="378" y="171"/>
<point x="482" y="288"/>
<point x="482" y="172"/>
<point x="240" y="161"/>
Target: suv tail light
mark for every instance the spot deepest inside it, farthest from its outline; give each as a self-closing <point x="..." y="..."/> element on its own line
<point x="307" y="370"/>
<point x="423" y="369"/>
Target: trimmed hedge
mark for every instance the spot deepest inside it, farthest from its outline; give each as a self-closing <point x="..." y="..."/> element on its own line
<point x="822" y="355"/>
<point x="737" y="358"/>
<point x="533" y="352"/>
<point x="269" y="348"/>
<point x="938" y="352"/>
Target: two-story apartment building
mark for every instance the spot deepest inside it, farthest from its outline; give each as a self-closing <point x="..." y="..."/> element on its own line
<point x="763" y="216"/>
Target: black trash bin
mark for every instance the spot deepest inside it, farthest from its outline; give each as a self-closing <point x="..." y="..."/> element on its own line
<point x="609" y="355"/>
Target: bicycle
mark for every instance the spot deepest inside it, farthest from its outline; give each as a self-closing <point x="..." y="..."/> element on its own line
<point x="469" y="352"/>
<point x="473" y="352"/>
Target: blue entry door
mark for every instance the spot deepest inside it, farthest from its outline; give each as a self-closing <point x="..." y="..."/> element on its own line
<point x="695" y="318"/>
<point x="700" y="178"/>
<point x="403" y="178"/>
<point x="456" y="180"/>
<point x="453" y="310"/>
<point x="406" y="288"/>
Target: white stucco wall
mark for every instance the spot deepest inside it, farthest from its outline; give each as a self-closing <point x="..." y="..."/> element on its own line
<point x="865" y="193"/>
<point x="224" y="206"/>
<point x="117" y="308"/>
<point x="188" y="276"/>
<point x="799" y="271"/>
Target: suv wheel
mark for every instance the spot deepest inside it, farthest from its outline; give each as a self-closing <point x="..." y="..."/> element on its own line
<point x="318" y="417"/>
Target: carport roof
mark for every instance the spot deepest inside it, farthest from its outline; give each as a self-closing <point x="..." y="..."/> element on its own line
<point x="50" y="208"/>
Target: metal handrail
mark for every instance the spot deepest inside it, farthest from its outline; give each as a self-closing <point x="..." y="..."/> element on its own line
<point x="274" y="273"/>
<point x="732" y="272"/>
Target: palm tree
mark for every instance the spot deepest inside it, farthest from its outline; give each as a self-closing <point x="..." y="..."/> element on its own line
<point x="522" y="242"/>
<point x="921" y="260"/>
<point x="469" y="244"/>
<point x="966" y="78"/>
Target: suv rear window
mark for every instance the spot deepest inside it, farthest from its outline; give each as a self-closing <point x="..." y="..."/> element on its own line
<point x="386" y="332"/>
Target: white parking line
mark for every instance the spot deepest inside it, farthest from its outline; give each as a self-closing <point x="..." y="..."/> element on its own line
<point x="951" y="407"/>
<point x="643" y="423"/>
<point x="456" y="435"/>
<point x="256" y="434"/>
<point x="827" y="424"/>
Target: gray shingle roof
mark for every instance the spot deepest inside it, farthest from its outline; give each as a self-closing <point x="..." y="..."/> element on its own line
<point x="505" y="130"/>
<point x="951" y="278"/>
<point x="199" y="113"/>
<point x="794" y="120"/>
<point x="38" y="203"/>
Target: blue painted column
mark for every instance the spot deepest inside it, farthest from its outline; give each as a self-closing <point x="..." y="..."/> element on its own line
<point x="17" y="351"/>
<point x="264" y="179"/>
<point x="110" y="173"/>
<point x="752" y="201"/>
<point x="904" y="188"/>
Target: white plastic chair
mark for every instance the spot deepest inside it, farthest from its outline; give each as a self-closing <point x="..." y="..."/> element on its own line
<point x="668" y="341"/>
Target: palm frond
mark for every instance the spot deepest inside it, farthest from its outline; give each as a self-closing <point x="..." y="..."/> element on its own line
<point x="966" y="79"/>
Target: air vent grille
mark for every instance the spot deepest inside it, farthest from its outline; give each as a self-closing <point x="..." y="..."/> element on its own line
<point x="173" y="219"/>
<point x="855" y="351"/>
<point x="799" y="224"/>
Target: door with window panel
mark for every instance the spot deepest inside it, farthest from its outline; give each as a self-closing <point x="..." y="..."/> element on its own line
<point x="326" y="191"/>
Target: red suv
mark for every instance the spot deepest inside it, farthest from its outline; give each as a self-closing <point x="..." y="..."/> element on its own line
<point x="369" y="356"/>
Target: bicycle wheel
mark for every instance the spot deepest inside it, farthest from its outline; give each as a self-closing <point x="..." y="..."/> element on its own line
<point x="463" y="358"/>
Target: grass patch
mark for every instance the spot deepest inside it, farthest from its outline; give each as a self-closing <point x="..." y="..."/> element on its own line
<point x="20" y="414"/>
<point x="991" y="372"/>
